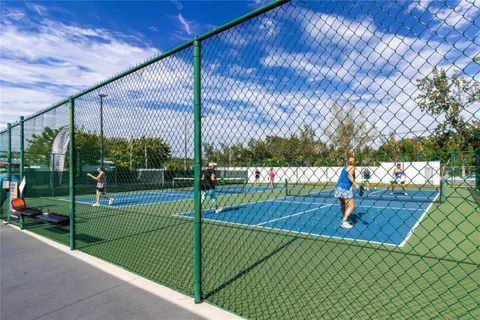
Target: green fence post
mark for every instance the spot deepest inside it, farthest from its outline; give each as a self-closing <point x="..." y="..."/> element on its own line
<point x="477" y="168"/>
<point x="78" y="163"/>
<point x="71" y="172"/>
<point x="22" y="154"/>
<point x="9" y="165"/>
<point x="22" y="164"/>
<point x="197" y="205"/>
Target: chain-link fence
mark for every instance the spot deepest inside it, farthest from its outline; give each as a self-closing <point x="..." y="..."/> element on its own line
<point x="3" y="171"/>
<point x="308" y="160"/>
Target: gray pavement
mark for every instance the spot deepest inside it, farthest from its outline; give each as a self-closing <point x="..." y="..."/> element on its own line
<point x="41" y="282"/>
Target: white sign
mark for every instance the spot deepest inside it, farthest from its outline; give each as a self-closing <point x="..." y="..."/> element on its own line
<point x="59" y="150"/>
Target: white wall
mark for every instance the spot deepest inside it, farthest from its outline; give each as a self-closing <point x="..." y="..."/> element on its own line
<point x="427" y="172"/>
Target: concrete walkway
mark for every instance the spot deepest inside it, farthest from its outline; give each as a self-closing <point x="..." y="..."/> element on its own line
<point x="41" y="279"/>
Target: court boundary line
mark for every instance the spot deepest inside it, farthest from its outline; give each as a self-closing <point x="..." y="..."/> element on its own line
<point x="184" y="216"/>
<point x="295" y="214"/>
<point x="126" y="205"/>
<point x="415" y="226"/>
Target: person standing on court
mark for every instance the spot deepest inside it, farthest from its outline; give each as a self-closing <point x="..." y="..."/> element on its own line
<point x="257" y="177"/>
<point x="101" y="191"/>
<point x="343" y="191"/>
<point x="271" y="175"/>
<point x="399" y="177"/>
<point x="366" y="178"/>
<point x="209" y="179"/>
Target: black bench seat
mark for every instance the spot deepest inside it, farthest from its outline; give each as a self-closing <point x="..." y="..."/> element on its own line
<point x="55" y="218"/>
<point x="28" y="212"/>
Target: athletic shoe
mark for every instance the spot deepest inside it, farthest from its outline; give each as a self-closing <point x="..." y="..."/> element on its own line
<point x="96" y="205"/>
<point x="346" y="225"/>
<point x="110" y="202"/>
<point x="218" y="210"/>
<point x="406" y="194"/>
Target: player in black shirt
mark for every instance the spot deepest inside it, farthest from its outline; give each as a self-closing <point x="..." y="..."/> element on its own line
<point x="209" y="179"/>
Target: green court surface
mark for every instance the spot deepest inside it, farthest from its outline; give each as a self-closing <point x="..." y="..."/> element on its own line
<point x="431" y="276"/>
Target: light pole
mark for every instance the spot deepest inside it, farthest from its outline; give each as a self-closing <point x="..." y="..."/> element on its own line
<point x="101" y="95"/>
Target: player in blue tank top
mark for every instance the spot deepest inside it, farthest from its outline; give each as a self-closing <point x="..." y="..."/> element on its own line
<point x="399" y="177"/>
<point x="343" y="191"/>
<point x="366" y="178"/>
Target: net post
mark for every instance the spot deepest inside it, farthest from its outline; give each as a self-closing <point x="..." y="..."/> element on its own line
<point x="442" y="189"/>
<point x="197" y="232"/>
<point x="71" y="173"/>
<point x="9" y="165"/>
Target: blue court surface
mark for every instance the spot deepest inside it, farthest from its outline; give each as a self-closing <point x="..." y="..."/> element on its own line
<point x="148" y="197"/>
<point x="384" y="221"/>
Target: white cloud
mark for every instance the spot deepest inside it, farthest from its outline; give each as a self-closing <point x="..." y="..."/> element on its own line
<point x="38" y="9"/>
<point x="374" y="70"/>
<point x="185" y="24"/>
<point x="48" y="61"/>
<point x="458" y="17"/>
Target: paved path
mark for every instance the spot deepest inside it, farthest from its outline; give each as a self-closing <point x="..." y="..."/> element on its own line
<point x="45" y="281"/>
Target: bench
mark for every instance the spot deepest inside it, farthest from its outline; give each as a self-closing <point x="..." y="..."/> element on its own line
<point x="20" y="211"/>
<point x="55" y="218"/>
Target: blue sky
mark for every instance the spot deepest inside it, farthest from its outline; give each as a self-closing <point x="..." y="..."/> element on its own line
<point x="268" y="76"/>
<point x="141" y="29"/>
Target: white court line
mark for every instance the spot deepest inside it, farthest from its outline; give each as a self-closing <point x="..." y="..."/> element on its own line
<point x="181" y="215"/>
<point x="393" y="208"/>
<point x="133" y="204"/>
<point x="404" y="242"/>
<point x="299" y="202"/>
<point x="295" y="214"/>
<point x="368" y="192"/>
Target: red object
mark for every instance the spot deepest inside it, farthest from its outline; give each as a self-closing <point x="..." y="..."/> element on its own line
<point x="18" y="204"/>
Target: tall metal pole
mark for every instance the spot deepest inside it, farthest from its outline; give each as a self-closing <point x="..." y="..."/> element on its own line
<point x="22" y="151"/>
<point x="197" y="205"/>
<point x="185" y="141"/>
<point x="101" y="95"/>
<point x="9" y="163"/>
<point x="71" y="171"/>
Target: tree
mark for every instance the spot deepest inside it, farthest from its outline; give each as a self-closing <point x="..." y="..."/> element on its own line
<point x="449" y="98"/>
<point x="88" y="147"/>
<point x="147" y="152"/>
<point x="348" y="129"/>
<point x="39" y="150"/>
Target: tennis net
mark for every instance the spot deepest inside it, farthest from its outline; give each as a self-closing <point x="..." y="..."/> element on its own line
<point x="414" y="193"/>
<point x="225" y="185"/>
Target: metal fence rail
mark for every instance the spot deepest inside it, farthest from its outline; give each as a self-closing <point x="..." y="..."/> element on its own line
<point x="339" y="133"/>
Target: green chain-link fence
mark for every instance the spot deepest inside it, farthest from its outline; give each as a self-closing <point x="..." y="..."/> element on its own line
<point x="278" y="101"/>
<point x="3" y="170"/>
